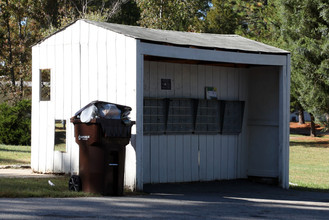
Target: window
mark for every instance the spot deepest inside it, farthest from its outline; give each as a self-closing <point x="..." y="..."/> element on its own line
<point x="45" y="85"/>
<point x="60" y="135"/>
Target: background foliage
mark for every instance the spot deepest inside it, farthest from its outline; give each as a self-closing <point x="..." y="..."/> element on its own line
<point x="306" y="35"/>
<point x="300" y="26"/>
<point x="172" y="14"/>
<point x="15" y="123"/>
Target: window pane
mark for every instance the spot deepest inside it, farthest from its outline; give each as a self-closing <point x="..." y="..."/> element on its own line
<point x="45" y="85"/>
<point x="60" y="135"/>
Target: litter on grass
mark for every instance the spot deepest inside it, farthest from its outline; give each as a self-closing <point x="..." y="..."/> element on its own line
<point x="51" y="183"/>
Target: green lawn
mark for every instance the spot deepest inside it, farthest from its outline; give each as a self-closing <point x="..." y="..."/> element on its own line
<point x="60" y="137"/>
<point x="309" y="169"/>
<point x="30" y="187"/>
<point x="15" y="155"/>
<point x="37" y="187"/>
<point x="309" y="162"/>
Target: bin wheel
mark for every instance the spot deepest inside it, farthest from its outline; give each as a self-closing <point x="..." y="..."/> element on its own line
<point x="75" y="183"/>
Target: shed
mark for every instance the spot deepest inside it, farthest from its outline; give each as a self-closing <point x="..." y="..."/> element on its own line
<point x="207" y="106"/>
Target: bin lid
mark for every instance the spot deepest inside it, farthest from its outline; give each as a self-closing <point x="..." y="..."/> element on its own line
<point x="123" y="108"/>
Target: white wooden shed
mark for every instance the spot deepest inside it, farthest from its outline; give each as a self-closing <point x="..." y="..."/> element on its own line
<point x="146" y="69"/>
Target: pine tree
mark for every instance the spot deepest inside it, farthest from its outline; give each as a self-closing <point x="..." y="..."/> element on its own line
<point x="306" y="33"/>
<point x="258" y="20"/>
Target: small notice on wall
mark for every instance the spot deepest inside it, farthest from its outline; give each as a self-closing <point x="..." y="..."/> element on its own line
<point x="211" y="92"/>
<point x="165" y="84"/>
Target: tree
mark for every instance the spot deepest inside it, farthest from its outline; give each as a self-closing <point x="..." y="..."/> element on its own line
<point x="129" y="14"/>
<point x="295" y="106"/>
<point x="305" y="31"/>
<point x="258" y="20"/>
<point x="15" y="123"/>
<point x="17" y="33"/>
<point x="223" y="17"/>
<point x="177" y="15"/>
<point x="57" y="15"/>
<point x="24" y="22"/>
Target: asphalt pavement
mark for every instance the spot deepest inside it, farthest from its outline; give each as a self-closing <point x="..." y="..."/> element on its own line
<point x="238" y="199"/>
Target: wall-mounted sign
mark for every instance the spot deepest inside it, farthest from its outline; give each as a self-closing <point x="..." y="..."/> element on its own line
<point x="211" y="92"/>
<point x="165" y="84"/>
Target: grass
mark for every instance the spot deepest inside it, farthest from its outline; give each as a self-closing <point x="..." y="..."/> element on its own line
<point x="60" y="147"/>
<point x="37" y="187"/>
<point x="309" y="170"/>
<point x="30" y="187"/>
<point x="309" y="163"/>
<point x="60" y="137"/>
<point x="10" y="155"/>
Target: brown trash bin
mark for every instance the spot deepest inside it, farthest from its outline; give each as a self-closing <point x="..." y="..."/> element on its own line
<point x="102" y="145"/>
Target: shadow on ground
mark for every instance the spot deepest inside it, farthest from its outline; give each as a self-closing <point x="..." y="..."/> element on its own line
<point x="238" y="199"/>
<point x="240" y="188"/>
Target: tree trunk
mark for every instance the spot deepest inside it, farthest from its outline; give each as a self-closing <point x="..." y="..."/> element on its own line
<point x="327" y="120"/>
<point x="10" y="51"/>
<point x="301" y="118"/>
<point x="313" y="131"/>
<point x="22" y="89"/>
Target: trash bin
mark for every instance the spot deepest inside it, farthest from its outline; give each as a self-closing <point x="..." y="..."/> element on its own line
<point x="102" y="144"/>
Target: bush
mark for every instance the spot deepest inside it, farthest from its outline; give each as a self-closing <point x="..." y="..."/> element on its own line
<point x="15" y="123"/>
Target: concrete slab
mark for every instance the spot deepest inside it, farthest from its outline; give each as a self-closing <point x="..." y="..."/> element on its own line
<point x="22" y="173"/>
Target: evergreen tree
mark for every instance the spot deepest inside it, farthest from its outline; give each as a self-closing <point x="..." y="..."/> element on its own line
<point x="306" y="33"/>
<point x="258" y="20"/>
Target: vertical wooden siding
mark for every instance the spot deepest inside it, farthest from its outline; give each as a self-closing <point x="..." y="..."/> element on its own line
<point x="191" y="157"/>
<point x="263" y="122"/>
<point x="87" y="63"/>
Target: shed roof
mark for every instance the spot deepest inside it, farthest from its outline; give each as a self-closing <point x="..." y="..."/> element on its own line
<point x="189" y="39"/>
<point x="205" y="40"/>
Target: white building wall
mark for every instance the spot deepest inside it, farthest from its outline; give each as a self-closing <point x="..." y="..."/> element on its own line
<point x="263" y="122"/>
<point x="193" y="157"/>
<point x="87" y="63"/>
